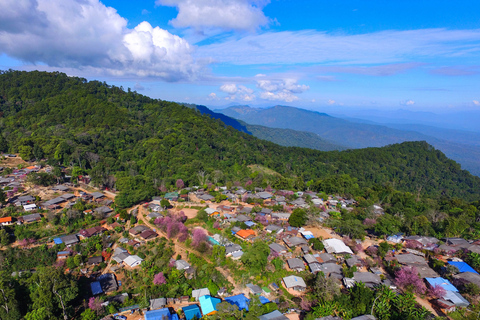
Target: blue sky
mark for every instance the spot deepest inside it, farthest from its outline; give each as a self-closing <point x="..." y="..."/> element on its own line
<point x="417" y="55"/>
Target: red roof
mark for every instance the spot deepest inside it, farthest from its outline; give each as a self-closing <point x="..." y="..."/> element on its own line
<point x="5" y="219"/>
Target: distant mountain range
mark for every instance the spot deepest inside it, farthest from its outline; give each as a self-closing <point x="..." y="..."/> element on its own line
<point x="283" y="137"/>
<point x="462" y="146"/>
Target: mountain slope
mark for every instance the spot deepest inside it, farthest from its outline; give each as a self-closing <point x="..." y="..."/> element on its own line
<point x="138" y="144"/>
<point x="355" y="134"/>
<point x="293" y="138"/>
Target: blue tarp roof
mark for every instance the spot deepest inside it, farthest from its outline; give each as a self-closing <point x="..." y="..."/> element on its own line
<point x="208" y="304"/>
<point x="249" y="223"/>
<point x="161" y="314"/>
<point x="192" y="311"/>
<point x="57" y="241"/>
<point x="444" y="283"/>
<point x="63" y="252"/>
<point x="462" y="266"/>
<point x="239" y="300"/>
<point x="264" y="300"/>
<point x="96" y="288"/>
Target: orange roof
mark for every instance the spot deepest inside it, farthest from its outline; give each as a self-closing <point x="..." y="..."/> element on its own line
<point x="6" y="219"/>
<point x="31" y="167"/>
<point x="245" y="233"/>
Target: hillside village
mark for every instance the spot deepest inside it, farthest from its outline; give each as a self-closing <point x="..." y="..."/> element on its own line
<point x="217" y="251"/>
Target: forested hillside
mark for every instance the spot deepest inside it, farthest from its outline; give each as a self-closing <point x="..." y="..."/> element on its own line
<point x="138" y="145"/>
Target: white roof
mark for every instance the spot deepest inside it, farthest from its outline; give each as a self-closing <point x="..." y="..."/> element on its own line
<point x="336" y="246"/>
<point x="29" y="206"/>
<point x="294" y="281"/>
<point x="210" y="210"/>
<point x="200" y="293"/>
<point x="133" y="261"/>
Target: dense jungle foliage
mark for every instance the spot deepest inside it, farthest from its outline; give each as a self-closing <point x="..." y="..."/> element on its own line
<point x="136" y="144"/>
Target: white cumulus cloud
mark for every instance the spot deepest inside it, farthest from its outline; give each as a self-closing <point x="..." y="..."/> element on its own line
<point x="476" y="102"/>
<point x="88" y="35"/>
<point x="280" y="89"/>
<point x="224" y="14"/>
<point x="238" y="92"/>
<point x="331" y="101"/>
<point x="408" y="103"/>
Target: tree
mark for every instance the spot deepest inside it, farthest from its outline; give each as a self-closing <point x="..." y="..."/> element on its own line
<point x="436" y="292"/>
<point x="159" y="279"/>
<point x="53" y="290"/>
<point x="199" y="236"/>
<point x="256" y="256"/>
<point x="179" y="184"/>
<point x="38" y="314"/>
<point x="164" y="203"/>
<point x="316" y="244"/>
<point x="298" y="218"/>
<point x="325" y="288"/>
<point x="4" y="237"/>
<point x="8" y="302"/>
<point x="407" y="278"/>
<point x="95" y="304"/>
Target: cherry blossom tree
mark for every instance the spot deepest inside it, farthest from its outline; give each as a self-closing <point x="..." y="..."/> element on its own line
<point x="407" y="278"/>
<point x="159" y="279"/>
<point x="369" y="222"/>
<point x="95" y="304"/>
<point x="436" y="292"/>
<point x="198" y="236"/>
<point x="179" y="184"/>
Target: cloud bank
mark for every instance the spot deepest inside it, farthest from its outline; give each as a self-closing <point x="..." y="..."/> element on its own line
<point x="88" y="35"/>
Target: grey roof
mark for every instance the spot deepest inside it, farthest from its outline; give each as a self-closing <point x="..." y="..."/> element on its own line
<point x="103" y="210"/>
<point x="410" y="258"/>
<point x="281" y="215"/>
<point x="470" y="277"/>
<point x="61" y="188"/>
<point x="54" y="201"/>
<point x="158" y="303"/>
<point x="182" y="265"/>
<point x="200" y="293"/>
<point x="26" y="198"/>
<point x="245" y="210"/>
<point x="70" y="239"/>
<point x="277" y="247"/>
<point x="206" y="197"/>
<point x="422" y="239"/>
<point x="295" y="263"/>
<point x="309" y="258"/>
<point x="119" y="258"/>
<point x="138" y="229"/>
<point x="264" y="195"/>
<point x="294" y="241"/>
<point x="294" y="281"/>
<point x="315" y="267"/>
<point x="328" y="268"/>
<point x="31" y="217"/>
<point x="274" y="315"/>
<point x="242" y="218"/>
<point x="352" y="261"/>
<point x="97" y="195"/>
<point x="254" y="288"/>
<point x="273" y="228"/>
<point x="327" y="257"/>
<point x="67" y="196"/>
<point x="367" y="278"/>
<point x="232" y="248"/>
<point x="457" y="242"/>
